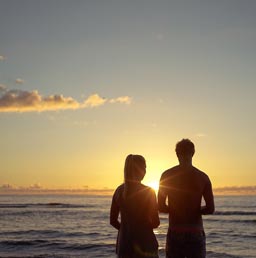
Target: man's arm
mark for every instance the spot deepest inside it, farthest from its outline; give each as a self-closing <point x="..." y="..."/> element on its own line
<point x="162" y="195"/>
<point x="209" y="199"/>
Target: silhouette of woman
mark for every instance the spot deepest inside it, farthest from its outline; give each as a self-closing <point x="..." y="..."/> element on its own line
<point x="139" y="214"/>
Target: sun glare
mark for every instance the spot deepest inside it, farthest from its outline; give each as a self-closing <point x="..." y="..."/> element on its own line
<point x="154" y="185"/>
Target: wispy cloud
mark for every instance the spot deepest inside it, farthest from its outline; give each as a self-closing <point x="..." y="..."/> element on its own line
<point x="123" y="100"/>
<point x="19" y="81"/>
<point x="2" y="87"/>
<point x="201" y="135"/>
<point x="29" y="101"/>
<point x="6" y="187"/>
<point x="228" y="190"/>
<point x="38" y="189"/>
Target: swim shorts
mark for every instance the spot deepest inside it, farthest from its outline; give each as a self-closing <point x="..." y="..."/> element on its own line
<point x="185" y="244"/>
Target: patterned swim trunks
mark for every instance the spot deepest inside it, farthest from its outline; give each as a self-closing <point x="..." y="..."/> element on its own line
<point x="185" y="244"/>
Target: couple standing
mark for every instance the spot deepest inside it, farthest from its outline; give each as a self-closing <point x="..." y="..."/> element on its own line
<point x="183" y="186"/>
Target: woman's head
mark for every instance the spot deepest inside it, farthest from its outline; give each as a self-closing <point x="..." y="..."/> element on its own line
<point x="134" y="168"/>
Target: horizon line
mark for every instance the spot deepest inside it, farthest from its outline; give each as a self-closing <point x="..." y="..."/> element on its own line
<point x="7" y="189"/>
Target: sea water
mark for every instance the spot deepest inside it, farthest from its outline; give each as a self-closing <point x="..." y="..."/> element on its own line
<point x="78" y="226"/>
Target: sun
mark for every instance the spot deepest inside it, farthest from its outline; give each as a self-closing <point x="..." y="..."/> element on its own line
<point x="154" y="185"/>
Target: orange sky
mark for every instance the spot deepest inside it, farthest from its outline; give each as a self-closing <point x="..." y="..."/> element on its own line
<point x="82" y="86"/>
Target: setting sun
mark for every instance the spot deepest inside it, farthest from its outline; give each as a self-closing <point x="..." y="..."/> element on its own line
<point x="154" y="185"/>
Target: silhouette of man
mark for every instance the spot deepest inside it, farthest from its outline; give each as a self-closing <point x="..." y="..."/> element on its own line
<point x="184" y="186"/>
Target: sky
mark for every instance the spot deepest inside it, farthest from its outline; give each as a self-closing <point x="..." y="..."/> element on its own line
<point x="85" y="83"/>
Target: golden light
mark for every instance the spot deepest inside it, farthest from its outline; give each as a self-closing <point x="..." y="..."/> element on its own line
<point x="154" y="185"/>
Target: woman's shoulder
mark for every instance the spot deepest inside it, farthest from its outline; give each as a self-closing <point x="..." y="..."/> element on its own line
<point x="147" y="189"/>
<point x="119" y="189"/>
<point x="118" y="192"/>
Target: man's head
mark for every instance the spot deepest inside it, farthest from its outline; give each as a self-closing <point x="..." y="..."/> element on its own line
<point x="185" y="150"/>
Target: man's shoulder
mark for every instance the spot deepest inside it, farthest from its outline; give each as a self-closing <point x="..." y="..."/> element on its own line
<point x="200" y="173"/>
<point x="169" y="172"/>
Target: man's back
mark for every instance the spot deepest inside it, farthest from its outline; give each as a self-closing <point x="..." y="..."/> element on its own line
<point x="185" y="188"/>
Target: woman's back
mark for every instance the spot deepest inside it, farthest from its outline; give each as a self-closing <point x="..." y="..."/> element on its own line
<point x="137" y="205"/>
<point x="139" y="215"/>
<point x="139" y="212"/>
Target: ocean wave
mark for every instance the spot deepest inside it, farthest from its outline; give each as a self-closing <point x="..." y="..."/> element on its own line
<point x="212" y="236"/>
<point x="44" y="205"/>
<point x="253" y="221"/>
<point x="44" y="255"/>
<point x="67" y="249"/>
<point x="31" y="232"/>
<point x="48" y="233"/>
<point x="29" y="213"/>
<point x="233" y="206"/>
<point x="16" y="243"/>
<point x="61" y="245"/>
<point x="103" y="250"/>
<point x="220" y="255"/>
<point x="230" y="213"/>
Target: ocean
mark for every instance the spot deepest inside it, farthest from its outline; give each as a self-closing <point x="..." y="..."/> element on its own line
<point x="78" y="226"/>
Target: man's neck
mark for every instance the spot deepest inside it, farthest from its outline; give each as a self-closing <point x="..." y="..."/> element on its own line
<point x="186" y="165"/>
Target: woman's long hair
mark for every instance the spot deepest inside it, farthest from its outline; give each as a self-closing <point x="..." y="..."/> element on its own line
<point x="134" y="171"/>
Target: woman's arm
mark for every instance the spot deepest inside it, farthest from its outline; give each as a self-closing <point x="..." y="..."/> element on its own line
<point x="154" y="210"/>
<point x="114" y="212"/>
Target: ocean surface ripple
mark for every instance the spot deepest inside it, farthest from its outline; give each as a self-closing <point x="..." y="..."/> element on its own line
<point x="78" y="226"/>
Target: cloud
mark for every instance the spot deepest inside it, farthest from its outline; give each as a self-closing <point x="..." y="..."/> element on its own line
<point x="2" y="87"/>
<point x="28" y="101"/>
<point x="2" y="58"/>
<point x="24" y="101"/>
<point x="94" y="101"/>
<point x="36" y="186"/>
<point x="6" y="187"/>
<point x="123" y="100"/>
<point x="19" y="81"/>
<point x="38" y="189"/>
<point x="235" y="190"/>
<point x="200" y="135"/>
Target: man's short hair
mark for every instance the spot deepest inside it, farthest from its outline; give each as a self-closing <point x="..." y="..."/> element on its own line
<point x="184" y="147"/>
